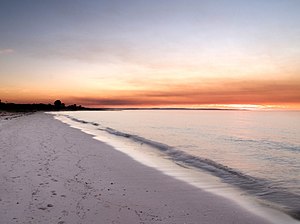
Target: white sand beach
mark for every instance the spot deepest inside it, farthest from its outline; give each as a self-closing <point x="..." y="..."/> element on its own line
<point x="52" y="173"/>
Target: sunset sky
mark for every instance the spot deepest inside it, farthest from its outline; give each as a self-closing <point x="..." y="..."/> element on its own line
<point x="158" y="53"/>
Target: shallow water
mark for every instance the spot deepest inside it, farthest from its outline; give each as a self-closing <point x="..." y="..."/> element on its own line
<point x="256" y="151"/>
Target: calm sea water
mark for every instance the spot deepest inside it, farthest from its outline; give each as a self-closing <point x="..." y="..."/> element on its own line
<point x="256" y="151"/>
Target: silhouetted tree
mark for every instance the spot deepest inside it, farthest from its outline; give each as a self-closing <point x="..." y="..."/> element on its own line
<point x="57" y="104"/>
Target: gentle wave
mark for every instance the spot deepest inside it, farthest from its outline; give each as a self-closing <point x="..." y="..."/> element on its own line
<point x="261" y="188"/>
<point x="267" y="144"/>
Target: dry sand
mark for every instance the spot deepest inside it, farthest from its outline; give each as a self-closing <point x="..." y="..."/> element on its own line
<point x="52" y="173"/>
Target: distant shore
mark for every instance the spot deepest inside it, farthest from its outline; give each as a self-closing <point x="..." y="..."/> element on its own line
<point x="52" y="173"/>
<point x="15" y="107"/>
<point x="60" y="106"/>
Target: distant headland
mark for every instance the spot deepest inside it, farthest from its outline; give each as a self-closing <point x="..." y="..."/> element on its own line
<point x="59" y="106"/>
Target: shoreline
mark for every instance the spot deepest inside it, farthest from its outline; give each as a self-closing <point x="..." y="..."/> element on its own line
<point x="53" y="173"/>
<point x="154" y="158"/>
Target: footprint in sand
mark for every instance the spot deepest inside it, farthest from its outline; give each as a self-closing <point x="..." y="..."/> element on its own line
<point x="42" y="208"/>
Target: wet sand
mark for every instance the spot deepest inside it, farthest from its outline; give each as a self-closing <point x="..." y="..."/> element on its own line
<point x="52" y="173"/>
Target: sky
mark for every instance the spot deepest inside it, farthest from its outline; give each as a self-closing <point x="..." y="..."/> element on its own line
<point x="158" y="53"/>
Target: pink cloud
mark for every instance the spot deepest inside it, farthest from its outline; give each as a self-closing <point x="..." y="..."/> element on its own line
<point x="6" y="51"/>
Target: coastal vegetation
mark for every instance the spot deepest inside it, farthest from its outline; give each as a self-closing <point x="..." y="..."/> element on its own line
<point x="56" y="106"/>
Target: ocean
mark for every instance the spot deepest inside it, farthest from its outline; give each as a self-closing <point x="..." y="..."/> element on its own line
<point x="257" y="152"/>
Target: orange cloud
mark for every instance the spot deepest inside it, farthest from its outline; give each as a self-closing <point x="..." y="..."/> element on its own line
<point x="168" y="94"/>
<point x="255" y="92"/>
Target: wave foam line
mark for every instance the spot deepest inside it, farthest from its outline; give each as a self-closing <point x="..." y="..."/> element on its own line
<point x="261" y="188"/>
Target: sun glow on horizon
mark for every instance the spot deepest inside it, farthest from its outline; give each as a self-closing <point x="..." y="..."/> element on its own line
<point x="254" y="107"/>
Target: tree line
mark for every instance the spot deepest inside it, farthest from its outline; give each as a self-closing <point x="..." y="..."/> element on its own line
<point x="56" y="106"/>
